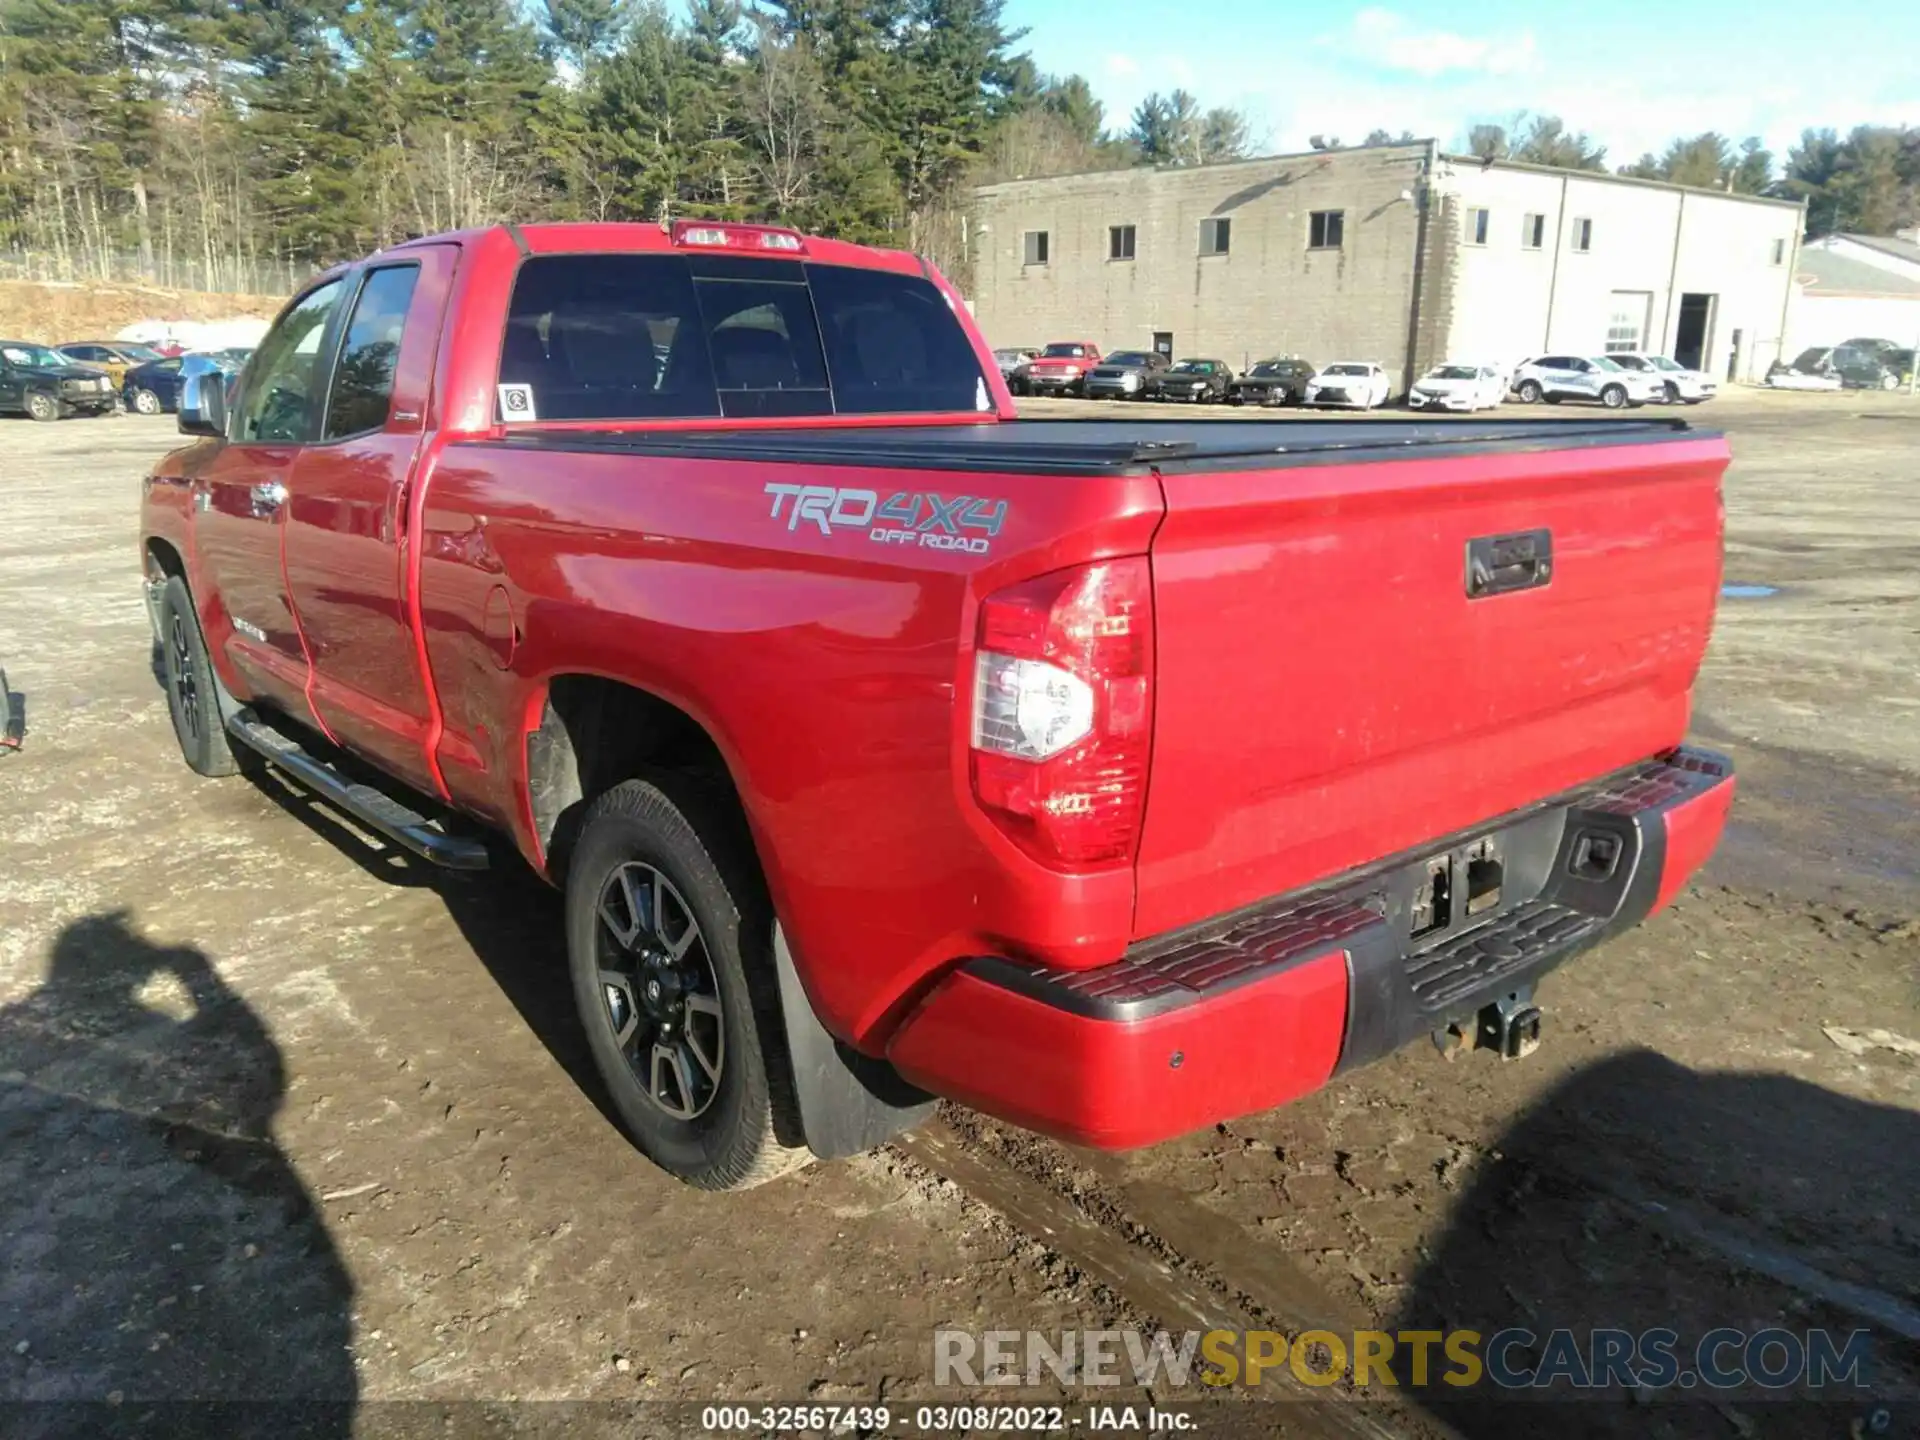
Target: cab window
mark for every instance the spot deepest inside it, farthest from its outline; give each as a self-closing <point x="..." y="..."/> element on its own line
<point x="281" y="402"/>
<point x="363" y="378"/>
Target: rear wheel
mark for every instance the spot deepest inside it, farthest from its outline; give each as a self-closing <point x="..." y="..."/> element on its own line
<point x="146" y="402"/>
<point x="669" y="939"/>
<point x="1613" y="397"/>
<point x="191" y="693"/>
<point x="42" y="406"/>
<point x="1529" y="391"/>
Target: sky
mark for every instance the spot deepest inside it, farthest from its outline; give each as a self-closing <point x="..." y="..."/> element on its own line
<point x="1632" y="75"/>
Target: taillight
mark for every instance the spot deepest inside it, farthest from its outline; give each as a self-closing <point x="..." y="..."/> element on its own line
<point x="1063" y="711"/>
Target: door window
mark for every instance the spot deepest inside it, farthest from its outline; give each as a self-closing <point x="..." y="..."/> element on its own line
<point x="280" y="402"/>
<point x="363" y="380"/>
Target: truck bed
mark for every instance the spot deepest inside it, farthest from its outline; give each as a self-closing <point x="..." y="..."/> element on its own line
<point x="1116" y="446"/>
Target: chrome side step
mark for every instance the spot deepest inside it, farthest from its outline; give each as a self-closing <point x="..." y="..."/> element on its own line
<point x="373" y="808"/>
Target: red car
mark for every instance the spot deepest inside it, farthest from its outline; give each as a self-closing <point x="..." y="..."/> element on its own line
<point x="1115" y="777"/>
<point x="1060" y="369"/>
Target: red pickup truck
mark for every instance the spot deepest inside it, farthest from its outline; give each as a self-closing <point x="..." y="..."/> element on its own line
<point x="1116" y="777"/>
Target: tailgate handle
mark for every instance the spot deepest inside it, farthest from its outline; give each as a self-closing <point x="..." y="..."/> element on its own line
<point x="1499" y="563"/>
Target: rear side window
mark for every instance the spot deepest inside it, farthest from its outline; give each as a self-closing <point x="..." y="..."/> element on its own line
<point x="893" y="344"/>
<point x="628" y="337"/>
<point x="363" y="380"/>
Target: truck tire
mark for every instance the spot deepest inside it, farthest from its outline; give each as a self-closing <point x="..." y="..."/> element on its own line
<point x="42" y="406"/>
<point x="669" y="939"/>
<point x="191" y="693"/>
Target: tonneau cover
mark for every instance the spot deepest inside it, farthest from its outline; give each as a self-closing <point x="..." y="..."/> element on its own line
<point x="1104" y="447"/>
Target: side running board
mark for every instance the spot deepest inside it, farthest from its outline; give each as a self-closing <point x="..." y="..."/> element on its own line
<point x="373" y="808"/>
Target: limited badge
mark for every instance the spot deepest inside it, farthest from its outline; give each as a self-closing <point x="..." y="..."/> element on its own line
<point x="516" y="402"/>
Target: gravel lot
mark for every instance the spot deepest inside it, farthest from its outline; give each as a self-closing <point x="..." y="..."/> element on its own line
<point x="281" y="1120"/>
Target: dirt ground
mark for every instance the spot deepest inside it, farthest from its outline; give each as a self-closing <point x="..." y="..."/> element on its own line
<point x="55" y="313"/>
<point x="281" y="1120"/>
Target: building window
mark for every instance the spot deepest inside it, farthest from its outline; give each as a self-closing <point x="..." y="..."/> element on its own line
<point x="1533" y="232"/>
<point x="1627" y="319"/>
<point x="1779" y="252"/>
<point x="1120" y="242"/>
<point x="1582" y="236"/>
<point x="1325" y="229"/>
<point x="1036" y="248"/>
<point x="1477" y="222"/>
<point x="1215" y="235"/>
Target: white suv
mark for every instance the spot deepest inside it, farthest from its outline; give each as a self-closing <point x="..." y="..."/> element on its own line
<point x="1585" y="377"/>
<point x="1678" y="384"/>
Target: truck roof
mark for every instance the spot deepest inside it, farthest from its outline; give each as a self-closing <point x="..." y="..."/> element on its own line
<point x="619" y="237"/>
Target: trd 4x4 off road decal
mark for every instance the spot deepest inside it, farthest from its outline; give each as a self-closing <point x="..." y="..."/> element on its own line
<point x="932" y="522"/>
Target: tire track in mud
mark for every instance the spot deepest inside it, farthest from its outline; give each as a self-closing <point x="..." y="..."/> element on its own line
<point x="1153" y="1248"/>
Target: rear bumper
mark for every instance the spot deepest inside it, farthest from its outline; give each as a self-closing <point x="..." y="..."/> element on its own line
<point x="1253" y="1009"/>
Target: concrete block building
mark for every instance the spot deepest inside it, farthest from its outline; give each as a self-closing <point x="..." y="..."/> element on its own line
<point x="1398" y="254"/>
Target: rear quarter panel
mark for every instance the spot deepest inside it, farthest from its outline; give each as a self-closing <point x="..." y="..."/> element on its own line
<point x="830" y="670"/>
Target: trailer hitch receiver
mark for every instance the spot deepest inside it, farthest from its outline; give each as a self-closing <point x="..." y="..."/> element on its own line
<point x="1510" y="1026"/>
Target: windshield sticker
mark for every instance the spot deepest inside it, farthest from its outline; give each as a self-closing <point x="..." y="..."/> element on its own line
<point x="923" y="520"/>
<point x="516" y="402"/>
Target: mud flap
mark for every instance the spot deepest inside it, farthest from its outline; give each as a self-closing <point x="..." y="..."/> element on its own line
<point x="849" y="1102"/>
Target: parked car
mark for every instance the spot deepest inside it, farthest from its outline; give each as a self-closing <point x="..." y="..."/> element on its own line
<point x="116" y="357"/>
<point x="1678" y="384"/>
<point x="1061" y="368"/>
<point x="1125" y="375"/>
<point x="1811" y="369"/>
<point x="1013" y="360"/>
<point x="1458" y="386"/>
<point x="1279" y="381"/>
<point x="1861" y="368"/>
<point x="38" y="381"/>
<point x="1356" y="384"/>
<point x="155" y="389"/>
<point x="993" y="759"/>
<point x="1194" y="381"/>
<point x="1554" y="378"/>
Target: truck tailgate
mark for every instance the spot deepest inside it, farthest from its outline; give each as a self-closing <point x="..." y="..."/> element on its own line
<point x="1356" y="658"/>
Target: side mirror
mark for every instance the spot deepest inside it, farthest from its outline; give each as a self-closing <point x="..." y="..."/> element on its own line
<point x="203" y="404"/>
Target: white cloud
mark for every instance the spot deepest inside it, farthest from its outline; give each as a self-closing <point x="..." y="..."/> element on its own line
<point x="1389" y="42"/>
<point x="1123" y="65"/>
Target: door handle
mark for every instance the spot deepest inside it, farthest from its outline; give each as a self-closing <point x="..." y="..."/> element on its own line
<point x="268" y="498"/>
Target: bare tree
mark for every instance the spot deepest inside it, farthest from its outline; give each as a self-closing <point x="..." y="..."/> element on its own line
<point x="782" y="95"/>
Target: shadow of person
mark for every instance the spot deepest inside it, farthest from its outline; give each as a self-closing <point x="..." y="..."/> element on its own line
<point x="162" y="1267"/>
<point x="1639" y="1195"/>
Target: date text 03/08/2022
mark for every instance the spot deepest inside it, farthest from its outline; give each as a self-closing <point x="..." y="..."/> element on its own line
<point x="966" y="1419"/>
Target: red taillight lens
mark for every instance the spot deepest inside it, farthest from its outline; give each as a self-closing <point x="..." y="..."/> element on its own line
<point x="1063" y="711"/>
